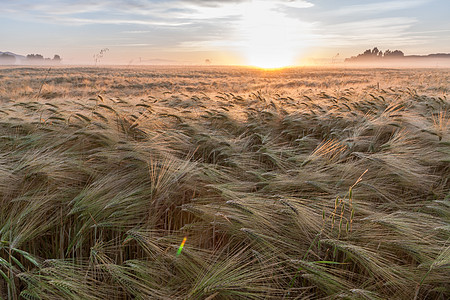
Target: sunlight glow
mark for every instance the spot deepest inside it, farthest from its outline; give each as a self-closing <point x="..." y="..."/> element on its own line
<point x="270" y="39"/>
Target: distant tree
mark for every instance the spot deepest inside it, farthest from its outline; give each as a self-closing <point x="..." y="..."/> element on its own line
<point x="393" y="54"/>
<point x="35" y="57"/>
<point x="376" y="54"/>
<point x="7" y="59"/>
<point x="56" y="59"/>
<point x="399" y="53"/>
<point x="375" y="51"/>
<point x="368" y="52"/>
<point x="367" y="55"/>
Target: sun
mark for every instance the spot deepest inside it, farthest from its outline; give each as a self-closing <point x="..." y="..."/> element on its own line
<point x="269" y="37"/>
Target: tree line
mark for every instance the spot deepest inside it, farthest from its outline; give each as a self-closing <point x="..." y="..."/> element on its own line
<point x="376" y="54"/>
<point x="6" y="58"/>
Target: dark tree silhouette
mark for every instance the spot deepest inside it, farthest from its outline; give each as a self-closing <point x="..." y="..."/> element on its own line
<point x="39" y="59"/>
<point x="7" y="59"/>
<point x="375" y="51"/>
<point x="375" y="55"/>
<point x="369" y="54"/>
<point x="35" y="57"/>
<point x="394" y="54"/>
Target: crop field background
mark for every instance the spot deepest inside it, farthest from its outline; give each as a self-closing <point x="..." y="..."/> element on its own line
<point x="291" y="184"/>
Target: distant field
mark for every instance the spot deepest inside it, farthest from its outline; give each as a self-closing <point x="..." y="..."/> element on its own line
<point x="291" y="184"/>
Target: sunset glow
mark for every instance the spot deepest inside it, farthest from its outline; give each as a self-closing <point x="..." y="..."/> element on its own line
<point x="261" y="33"/>
<point x="299" y="144"/>
<point x="269" y="37"/>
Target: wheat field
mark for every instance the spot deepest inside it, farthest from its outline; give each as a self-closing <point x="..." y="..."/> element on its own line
<point x="303" y="183"/>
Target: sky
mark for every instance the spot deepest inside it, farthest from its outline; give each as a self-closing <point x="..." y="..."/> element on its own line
<point x="230" y="32"/>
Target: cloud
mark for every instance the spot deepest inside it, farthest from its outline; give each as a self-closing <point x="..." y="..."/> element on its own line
<point x="93" y="21"/>
<point x="212" y="3"/>
<point x="378" y="7"/>
<point x="58" y="7"/>
<point x="135" y="31"/>
<point x="193" y="9"/>
<point x="297" y="4"/>
<point x="132" y="45"/>
<point x="221" y="24"/>
<point x="378" y="31"/>
<point x="381" y="25"/>
<point x="219" y="3"/>
<point x="374" y="23"/>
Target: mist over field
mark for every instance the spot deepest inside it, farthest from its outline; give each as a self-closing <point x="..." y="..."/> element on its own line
<point x="224" y="183"/>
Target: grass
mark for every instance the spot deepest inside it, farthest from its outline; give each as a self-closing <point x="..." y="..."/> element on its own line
<point x="294" y="184"/>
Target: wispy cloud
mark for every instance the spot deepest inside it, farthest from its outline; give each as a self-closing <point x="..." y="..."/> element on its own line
<point x="207" y="25"/>
<point x="378" y="7"/>
<point x="296" y="4"/>
<point x="91" y="21"/>
<point x="54" y="7"/>
<point x="377" y="31"/>
<point x="191" y="9"/>
<point x="132" y="45"/>
<point x="378" y="25"/>
<point x="200" y="21"/>
<point x="135" y="31"/>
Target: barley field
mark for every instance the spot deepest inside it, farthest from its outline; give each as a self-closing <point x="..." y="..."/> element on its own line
<point x="303" y="183"/>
